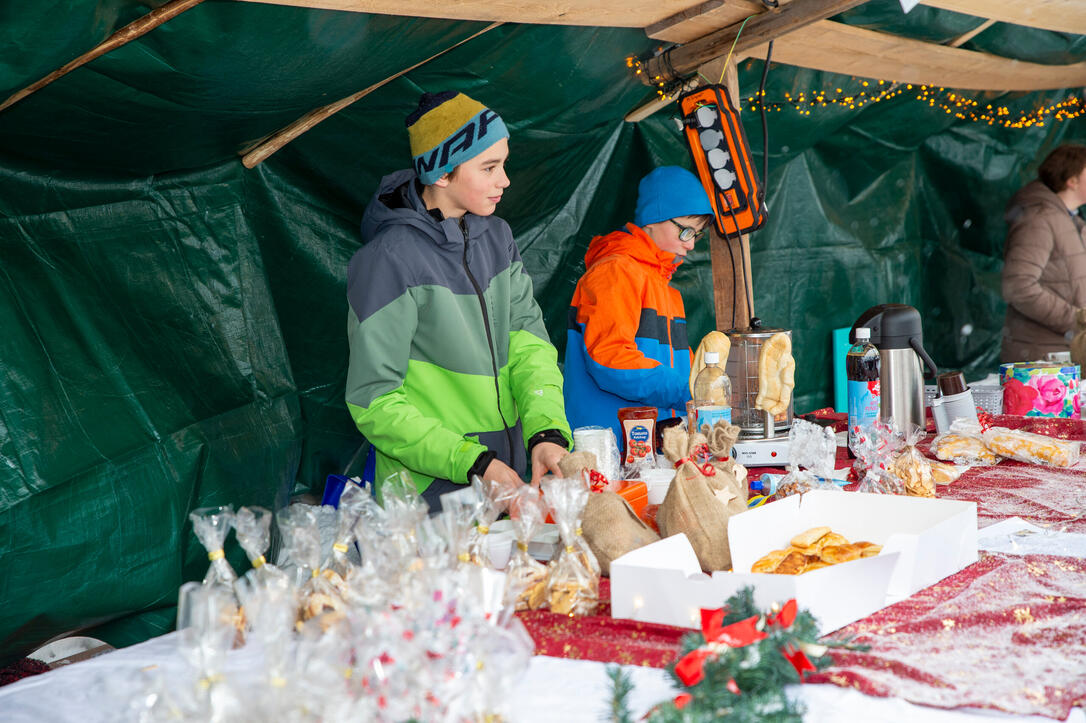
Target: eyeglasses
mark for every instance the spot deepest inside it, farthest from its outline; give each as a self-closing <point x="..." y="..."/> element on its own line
<point x="689" y="233"/>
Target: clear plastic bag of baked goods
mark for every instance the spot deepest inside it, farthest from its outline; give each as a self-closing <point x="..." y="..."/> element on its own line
<point x="812" y="450"/>
<point x="497" y="660"/>
<point x="342" y="559"/>
<point x="302" y="547"/>
<point x="1032" y="448"/>
<point x="574" y="577"/>
<point x="526" y="577"/>
<point x="252" y="528"/>
<point x="458" y="512"/>
<point x="963" y="444"/>
<point x="207" y="624"/>
<point x="875" y="447"/>
<point x="212" y="525"/>
<point x="912" y="467"/>
<point x="493" y="500"/>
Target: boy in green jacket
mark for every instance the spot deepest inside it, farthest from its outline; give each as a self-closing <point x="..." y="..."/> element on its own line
<point x="452" y="373"/>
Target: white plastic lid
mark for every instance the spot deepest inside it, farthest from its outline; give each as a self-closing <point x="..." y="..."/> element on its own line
<point x="712" y="357"/>
<point x="863" y="332"/>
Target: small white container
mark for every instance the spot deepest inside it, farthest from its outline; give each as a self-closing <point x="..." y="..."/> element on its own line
<point x="499" y="545"/>
<point x="658" y="481"/>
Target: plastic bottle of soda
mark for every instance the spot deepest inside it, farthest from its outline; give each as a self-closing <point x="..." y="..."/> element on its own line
<point x="712" y="394"/>
<point x="862" y="371"/>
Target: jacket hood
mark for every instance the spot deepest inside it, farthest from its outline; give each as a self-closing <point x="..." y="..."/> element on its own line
<point x="633" y="242"/>
<point x="396" y="202"/>
<point x="1033" y="195"/>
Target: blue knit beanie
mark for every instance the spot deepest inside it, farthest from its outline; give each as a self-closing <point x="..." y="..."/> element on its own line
<point x="670" y="192"/>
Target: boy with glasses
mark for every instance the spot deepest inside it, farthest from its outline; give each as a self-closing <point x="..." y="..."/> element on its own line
<point x="626" y="345"/>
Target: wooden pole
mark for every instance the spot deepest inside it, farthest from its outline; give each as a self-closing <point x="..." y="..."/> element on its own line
<point x="731" y="271"/>
<point x="264" y="149"/>
<point x="125" y="35"/>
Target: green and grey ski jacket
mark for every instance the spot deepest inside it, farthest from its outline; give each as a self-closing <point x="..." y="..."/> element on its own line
<point x="449" y="356"/>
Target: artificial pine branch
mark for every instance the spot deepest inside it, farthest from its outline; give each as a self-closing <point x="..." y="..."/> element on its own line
<point x="621" y="687"/>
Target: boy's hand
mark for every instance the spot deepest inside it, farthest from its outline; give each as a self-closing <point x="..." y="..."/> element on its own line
<point x="503" y="474"/>
<point x="545" y="456"/>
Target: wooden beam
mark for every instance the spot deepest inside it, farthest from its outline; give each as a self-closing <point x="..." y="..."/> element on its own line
<point x="683" y="60"/>
<point x="125" y="35"/>
<point x="1066" y="16"/>
<point x="590" y="13"/>
<point x="264" y="149"/>
<point x="967" y="36"/>
<point x="712" y="71"/>
<point x="682" y="16"/>
<point x="849" y="50"/>
<point x="1062" y="16"/>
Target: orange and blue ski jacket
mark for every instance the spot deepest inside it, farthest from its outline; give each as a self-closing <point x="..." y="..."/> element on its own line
<point x="626" y="345"/>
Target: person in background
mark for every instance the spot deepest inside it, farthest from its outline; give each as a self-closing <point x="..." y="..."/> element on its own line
<point x="1044" y="270"/>
<point x="451" y="372"/>
<point x="627" y="345"/>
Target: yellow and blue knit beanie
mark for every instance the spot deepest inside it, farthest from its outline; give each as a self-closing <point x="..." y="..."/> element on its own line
<point x="447" y="129"/>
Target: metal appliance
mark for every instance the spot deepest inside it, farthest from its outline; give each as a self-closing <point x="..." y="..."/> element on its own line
<point x="763" y="438"/>
<point x="897" y="333"/>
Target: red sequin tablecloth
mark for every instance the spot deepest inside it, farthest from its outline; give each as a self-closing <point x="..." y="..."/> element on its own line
<point x="603" y="638"/>
<point x="1007" y="633"/>
<point x="1047" y="496"/>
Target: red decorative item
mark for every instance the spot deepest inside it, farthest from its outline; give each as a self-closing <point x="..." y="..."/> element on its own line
<point x="733" y="686"/>
<point x="799" y="661"/>
<point x="786" y="616"/>
<point x="691" y="667"/>
<point x="596" y="481"/>
<point x="736" y="635"/>
<point x="1017" y="397"/>
<point x="682" y="699"/>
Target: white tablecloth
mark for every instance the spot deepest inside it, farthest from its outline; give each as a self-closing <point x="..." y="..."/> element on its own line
<point x="554" y="689"/>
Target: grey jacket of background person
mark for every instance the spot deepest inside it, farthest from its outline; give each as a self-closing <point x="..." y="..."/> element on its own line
<point x="1044" y="274"/>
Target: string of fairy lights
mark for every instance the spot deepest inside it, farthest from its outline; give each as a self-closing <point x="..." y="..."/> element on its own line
<point x="868" y="92"/>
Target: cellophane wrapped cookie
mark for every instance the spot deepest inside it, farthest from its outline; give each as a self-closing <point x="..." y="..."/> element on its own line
<point x="458" y="513"/>
<point x="573" y="580"/>
<point x="875" y="447"/>
<point x="207" y="625"/>
<point x="1032" y="448"/>
<point x="526" y="577"/>
<point x="493" y="501"/>
<point x="963" y="444"/>
<point x="913" y="468"/>
<point x="812" y="452"/>
<point x="252" y="528"/>
<point x="302" y="547"/>
<point x="351" y="504"/>
<point x="212" y="525"/>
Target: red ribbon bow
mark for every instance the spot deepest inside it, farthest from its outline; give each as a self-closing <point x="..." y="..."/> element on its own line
<point x="691" y="667"/>
<point x="596" y="481"/>
<point x="785" y="617"/>
<point x="799" y="661"/>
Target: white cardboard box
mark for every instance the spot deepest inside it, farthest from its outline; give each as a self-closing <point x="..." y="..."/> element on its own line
<point x="923" y="541"/>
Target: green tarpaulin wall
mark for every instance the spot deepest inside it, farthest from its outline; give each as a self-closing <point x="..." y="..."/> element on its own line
<point x="172" y="324"/>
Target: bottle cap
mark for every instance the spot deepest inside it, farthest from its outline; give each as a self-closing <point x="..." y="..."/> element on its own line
<point x="862" y="332"/>
<point x="951" y="383"/>
<point x="712" y="357"/>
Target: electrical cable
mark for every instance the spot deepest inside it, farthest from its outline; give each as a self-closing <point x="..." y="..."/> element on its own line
<point x="747" y="286"/>
<point x="735" y="275"/>
<point x="765" y="125"/>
